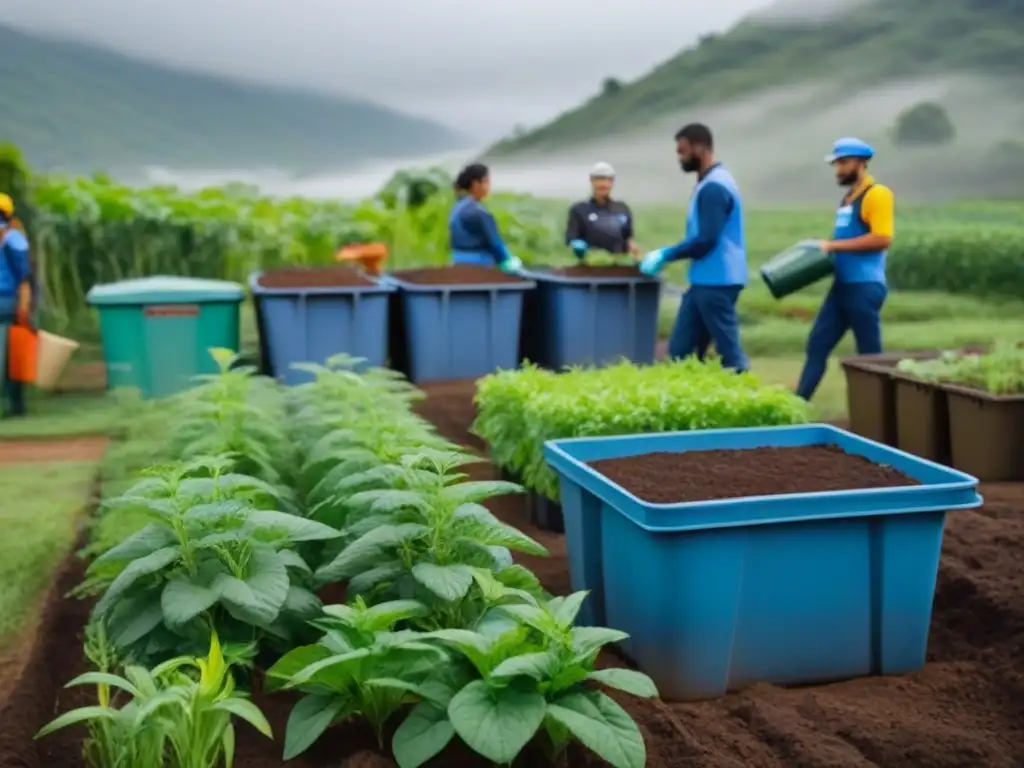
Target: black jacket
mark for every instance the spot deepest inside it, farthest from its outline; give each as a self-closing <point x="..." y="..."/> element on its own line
<point x="607" y="227"/>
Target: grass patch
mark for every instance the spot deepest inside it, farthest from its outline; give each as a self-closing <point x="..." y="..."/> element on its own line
<point x="37" y="517"/>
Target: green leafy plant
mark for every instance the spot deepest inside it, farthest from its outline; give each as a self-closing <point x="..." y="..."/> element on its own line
<point x="177" y="715"/>
<point x="361" y="667"/>
<point x="521" y="678"/>
<point x="520" y="410"/>
<point x="212" y="557"/>
<point x="999" y="372"/>
<point x="433" y="539"/>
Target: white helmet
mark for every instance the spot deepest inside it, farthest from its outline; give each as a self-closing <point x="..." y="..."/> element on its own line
<point x="602" y="171"/>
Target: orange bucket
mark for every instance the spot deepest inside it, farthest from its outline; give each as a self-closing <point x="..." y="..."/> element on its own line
<point x="369" y="256"/>
<point x="22" y="354"/>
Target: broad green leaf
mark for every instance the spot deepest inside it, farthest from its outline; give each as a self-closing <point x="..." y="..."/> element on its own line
<point x="131" y="621"/>
<point x="567" y="608"/>
<point x="292" y="559"/>
<point x="310" y="717"/>
<point x="602" y="726"/>
<point x="141" y="543"/>
<point x="424" y="733"/>
<point x="293" y="527"/>
<point x="369" y="580"/>
<point x="588" y="640"/>
<point x="365" y="550"/>
<point x="302" y="602"/>
<point x="293" y="662"/>
<point x="627" y="681"/>
<point x="76" y="716"/>
<point x="136" y="569"/>
<point x="259" y="598"/>
<point x="537" y="666"/>
<point x="479" y="490"/>
<point x="227" y="742"/>
<point x="316" y="672"/>
<point x="448" y="582"/>
<point x="384" y="615"/>
<point x="534" y="616"/>
<point x="473" y="646"/>
<point x="246" y="710"/>
<point x="496" y="723"/>
<point x="182" y="600"/>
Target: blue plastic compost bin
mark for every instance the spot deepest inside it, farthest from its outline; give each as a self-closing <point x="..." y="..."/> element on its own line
<point x="795" y="588"/>
<point x="459" y="331"/>
<point x="157" y="331"/>
<point x="310" y="325"/>
<point x="598" y="321"/>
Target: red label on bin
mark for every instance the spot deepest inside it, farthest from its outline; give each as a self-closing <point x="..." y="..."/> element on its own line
<point x="173" y="310"/>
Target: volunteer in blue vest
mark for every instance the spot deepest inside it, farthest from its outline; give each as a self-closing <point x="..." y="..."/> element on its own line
<point x="863" y="233"/>
<point x="472" y="230"/>
<point x="601" y="223"/>
<point x="15" y="295"/>
<point x="715" y="245"/>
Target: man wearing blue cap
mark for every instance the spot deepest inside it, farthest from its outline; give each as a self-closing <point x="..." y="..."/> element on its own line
<point x="862" y="236"/>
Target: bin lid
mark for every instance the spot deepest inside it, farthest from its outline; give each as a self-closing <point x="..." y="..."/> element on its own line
<point x="164" y="289"/>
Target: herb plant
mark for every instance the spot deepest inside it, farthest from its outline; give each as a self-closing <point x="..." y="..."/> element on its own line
<point x="999" y="372"/>
<point x="521" y="678"/>
<point x="361" y="666"/>
<point x="211" y="558"/>
<point x="178" y="715"/>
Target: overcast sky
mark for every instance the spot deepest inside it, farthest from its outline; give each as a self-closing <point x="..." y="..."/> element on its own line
<point x="482" y="65"/>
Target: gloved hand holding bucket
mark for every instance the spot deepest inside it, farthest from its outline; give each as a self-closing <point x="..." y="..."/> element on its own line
<point x="797" y="267"/>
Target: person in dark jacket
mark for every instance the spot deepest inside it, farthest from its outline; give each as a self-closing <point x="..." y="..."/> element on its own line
<point x="472" y="230"/>
<point x="15" y="295"/>
<point x="601" y="223"/>
<point x="715" y="245"/>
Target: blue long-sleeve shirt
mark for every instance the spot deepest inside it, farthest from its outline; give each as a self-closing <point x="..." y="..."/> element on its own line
<point x="714" y="205"/>
<point x="15" y="267"/>
<point x="472" y="229"/>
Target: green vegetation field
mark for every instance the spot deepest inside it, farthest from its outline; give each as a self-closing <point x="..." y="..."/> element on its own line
<point x="957" y="271"/>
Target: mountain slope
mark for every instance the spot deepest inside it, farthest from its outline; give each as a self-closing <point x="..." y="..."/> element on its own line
<point x="83" y="108"/>
<point x="869" y="43"/>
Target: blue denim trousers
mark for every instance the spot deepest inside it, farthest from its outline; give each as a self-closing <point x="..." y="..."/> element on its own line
<point x="708" y="313"/>
<point x="853" y="307"/>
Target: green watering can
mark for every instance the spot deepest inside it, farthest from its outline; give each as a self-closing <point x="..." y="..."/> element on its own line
<point x="796" y="268"/>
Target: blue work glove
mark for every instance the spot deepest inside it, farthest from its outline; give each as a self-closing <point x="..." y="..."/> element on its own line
<point x="653" y="263"/>
<point x="579" y="247"/>
<point x="513" y="265"/>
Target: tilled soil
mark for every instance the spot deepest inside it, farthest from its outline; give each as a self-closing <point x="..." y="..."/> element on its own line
<point x="463" y="274"/>
<point x="670" y="478"/>
<point x="313" y="277"/>
<point x="43" y="451"/>
<point x="964" y="710"/>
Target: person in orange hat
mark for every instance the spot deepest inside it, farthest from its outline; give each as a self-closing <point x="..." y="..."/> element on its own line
<point x="15" y="294"/>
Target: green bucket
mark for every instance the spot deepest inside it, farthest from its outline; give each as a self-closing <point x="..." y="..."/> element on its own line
<point x="796" y="268"/>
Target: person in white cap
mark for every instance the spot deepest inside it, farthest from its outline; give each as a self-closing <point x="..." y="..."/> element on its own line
<point x="601" y="223"/>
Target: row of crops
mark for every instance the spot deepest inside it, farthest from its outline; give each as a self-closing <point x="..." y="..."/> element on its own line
<point x="93" y="230"/>
<point x="262" y="497"/>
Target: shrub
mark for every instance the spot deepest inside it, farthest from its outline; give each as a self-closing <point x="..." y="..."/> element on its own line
<point x="922" y="124"/>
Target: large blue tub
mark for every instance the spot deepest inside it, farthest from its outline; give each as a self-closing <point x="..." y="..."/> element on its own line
<point x="584" y="320"/>
<point x="457" y="331"/>
<point x="310" y="325"/>
<point x="795" y="588"/>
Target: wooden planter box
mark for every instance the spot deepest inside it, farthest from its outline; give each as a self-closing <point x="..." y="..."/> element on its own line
<point x="986" y="434"/>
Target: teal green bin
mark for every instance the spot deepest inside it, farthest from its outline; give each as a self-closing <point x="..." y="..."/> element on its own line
<point x="157" y="331"/>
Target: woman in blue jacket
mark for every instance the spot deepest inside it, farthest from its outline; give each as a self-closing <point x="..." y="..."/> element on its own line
<point x="473" y="232"/>
<point x="15" y="295"/>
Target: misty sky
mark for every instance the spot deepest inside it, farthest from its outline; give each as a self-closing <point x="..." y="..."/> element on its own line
<point x="482" y="65"/>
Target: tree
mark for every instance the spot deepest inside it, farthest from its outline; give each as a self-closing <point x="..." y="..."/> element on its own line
<point x="611" y="86"/>
<point x="924" y="123"/>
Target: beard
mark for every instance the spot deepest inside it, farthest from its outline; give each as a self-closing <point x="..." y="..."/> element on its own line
<point x="691" y="165"/>
<point x="847" y="180"/>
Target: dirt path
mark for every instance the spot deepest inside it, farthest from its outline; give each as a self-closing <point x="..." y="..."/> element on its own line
<point x="46" y="451"/>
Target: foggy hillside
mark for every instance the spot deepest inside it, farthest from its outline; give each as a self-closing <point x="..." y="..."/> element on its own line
<point x="775" y="143"/>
